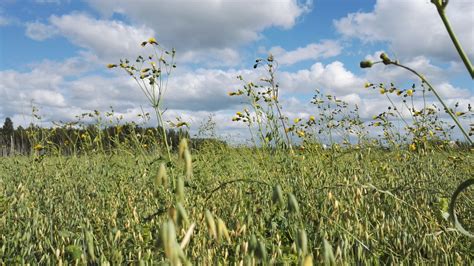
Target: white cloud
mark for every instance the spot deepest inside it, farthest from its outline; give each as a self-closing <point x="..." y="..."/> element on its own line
<point x="207" y="23"/>
<point x="448" y="91"/>
<point x="107" y="39"/>
<point x="39" y="31"/>
<point x="334" y="78"/>
<point x="67" y="88"/>
<point x="48" y="98"/>
<point x="206" y="32"/>
<point x="413" y="28"/>
<point x="313" y="51"/>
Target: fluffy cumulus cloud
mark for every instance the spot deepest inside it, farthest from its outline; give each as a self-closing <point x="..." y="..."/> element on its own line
<point x="413" y="27"/>
<point x="313" y="51"/>
<point x="106" y="38"/>
<point x="207" y="32"/>
<point x="333" y="78"/>
<point x="65" y="89"/>
<point x="207" y="23"/>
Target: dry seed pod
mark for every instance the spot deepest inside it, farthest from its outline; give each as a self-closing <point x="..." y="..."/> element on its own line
<point x="211" y="224"/>
<point x="222" y="230"/>
<point x="187" y="236"/>
<point x="180" y="190"/>
<point x="117" y="235"/>
<point x="308" y="261"/>
<point x="183" y="145"/>
<point x="168" y="238"/>
<point x="173" y="214"/>
<point x="188" y="162"/>
<point x="293" y="206"/>
<point x="162" y="177"/>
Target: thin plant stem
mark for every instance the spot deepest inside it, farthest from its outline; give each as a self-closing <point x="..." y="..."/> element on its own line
<point x="441" y="11"/>
<point x="439" y="99"/>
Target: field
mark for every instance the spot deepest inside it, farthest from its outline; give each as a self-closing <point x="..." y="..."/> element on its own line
<point x="238" y="206"/>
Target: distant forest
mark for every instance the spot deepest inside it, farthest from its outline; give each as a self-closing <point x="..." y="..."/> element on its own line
<point x="69" y="139"/>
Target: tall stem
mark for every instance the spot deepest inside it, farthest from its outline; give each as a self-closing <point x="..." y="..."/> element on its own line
<point x="456" y="43"/>
<point x="163" y="129"/>
<point x="280" y="114"/>
<point x="439" y="99"/>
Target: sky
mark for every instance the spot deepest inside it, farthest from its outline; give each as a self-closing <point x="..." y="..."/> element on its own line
<point x="53" y="54"/>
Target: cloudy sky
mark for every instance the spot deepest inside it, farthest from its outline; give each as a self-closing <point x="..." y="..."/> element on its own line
<point x="53" y="53"/>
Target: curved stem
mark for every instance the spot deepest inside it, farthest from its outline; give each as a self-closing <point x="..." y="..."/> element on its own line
<point x="439" y="99"/>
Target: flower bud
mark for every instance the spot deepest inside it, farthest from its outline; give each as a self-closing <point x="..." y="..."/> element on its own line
<point x="366" y="64"/>
<point x="385" y="58"/>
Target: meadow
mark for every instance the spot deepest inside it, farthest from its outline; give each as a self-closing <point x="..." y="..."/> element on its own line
<point x="240" y="205"/>
<point x="332" y="188"/>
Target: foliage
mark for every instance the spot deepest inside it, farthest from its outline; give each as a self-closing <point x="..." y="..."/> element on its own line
<point x="151" y="74"/>
<point x="375" y="206"/>
<point x="266" y="110"/>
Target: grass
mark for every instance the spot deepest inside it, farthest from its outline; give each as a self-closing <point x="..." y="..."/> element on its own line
<point x="368" y="205"/>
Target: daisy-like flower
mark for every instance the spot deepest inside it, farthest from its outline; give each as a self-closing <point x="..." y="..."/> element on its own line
<point x="152" y="41"/>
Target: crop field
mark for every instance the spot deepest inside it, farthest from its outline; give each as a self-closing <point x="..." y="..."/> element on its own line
<point x="239" y="205"/>
<point x="273" y="177"/>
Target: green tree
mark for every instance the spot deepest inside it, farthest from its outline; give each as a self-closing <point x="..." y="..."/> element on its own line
<point x="7" y="128"/>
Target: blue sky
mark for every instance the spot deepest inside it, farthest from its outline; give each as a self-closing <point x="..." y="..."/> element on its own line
<point x="53" y="53"/>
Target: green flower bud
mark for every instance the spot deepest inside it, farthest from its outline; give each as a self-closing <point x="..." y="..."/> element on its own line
<point x="385" y="58"/>
<point x="366" y="64"/>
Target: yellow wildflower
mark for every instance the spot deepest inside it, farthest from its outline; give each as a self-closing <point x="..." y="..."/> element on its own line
<point x="410" y="92"/>
<point x="111" y="65"/>
<point x="412" y="147"/>
<point x="152" y="41"/>
<point x="38" y="147"/>
<point x="312" y="118"/>
<point x="382" y="91"/>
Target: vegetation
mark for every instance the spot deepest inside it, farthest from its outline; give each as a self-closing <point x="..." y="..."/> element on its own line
<point x="341" y="205"/>
<point x="315" y="190"/>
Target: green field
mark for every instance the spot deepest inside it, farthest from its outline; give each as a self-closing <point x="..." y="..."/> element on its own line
<point x="353" y="206"/>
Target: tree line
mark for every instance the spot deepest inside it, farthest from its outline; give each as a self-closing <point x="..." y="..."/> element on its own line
<point x="69" y="139"/>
